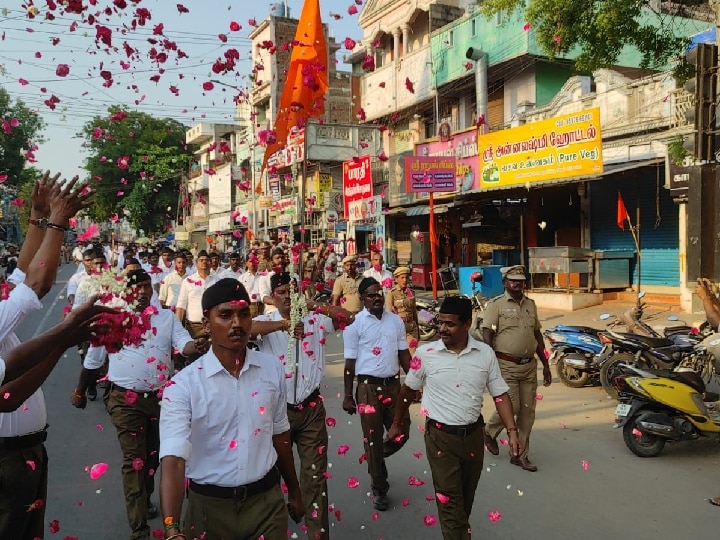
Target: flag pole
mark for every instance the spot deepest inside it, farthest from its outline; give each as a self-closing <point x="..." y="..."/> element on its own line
<point x="433" y="249"/>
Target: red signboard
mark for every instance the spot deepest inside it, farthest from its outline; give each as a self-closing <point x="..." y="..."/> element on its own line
<point x="432" y="174"/>
<point x="357" y="181"/>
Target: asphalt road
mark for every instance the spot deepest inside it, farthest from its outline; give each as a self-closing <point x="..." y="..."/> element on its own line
<point x="589" y="485"/>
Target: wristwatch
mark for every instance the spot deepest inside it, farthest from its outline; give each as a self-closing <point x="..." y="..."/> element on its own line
<point x="41" y="223"/>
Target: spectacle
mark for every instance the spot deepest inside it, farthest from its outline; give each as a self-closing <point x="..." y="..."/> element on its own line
<point x="374" y="295"/>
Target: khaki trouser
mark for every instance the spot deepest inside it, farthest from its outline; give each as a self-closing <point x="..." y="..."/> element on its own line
<point x="374" y="426"/>
<point x="260" y="516"/>
<point x="196" y="330"/>
<point x="139" y="435"/>
<point x="21" y="486"/>
<point x="308" y="432"/>
<point x="523" y="382"/>
<point x="456" y="464"/>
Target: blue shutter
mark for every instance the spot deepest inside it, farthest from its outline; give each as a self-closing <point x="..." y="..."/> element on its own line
<point x="659" y="244"/>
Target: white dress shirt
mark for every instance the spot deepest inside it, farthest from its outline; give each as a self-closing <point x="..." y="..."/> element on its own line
<point x="223" y="426"/>
<point x="74" y="282"/>
<point x="31" y="416"/>
<point x="311" y="364"/>
<point x="170" y="288"/>
<point x="374" y="343"/>
<point x="230" y="273"/>
<point x="252" y="283"/>
<point x="190" y="297"/>
<point x="454" y="383"/>
<point x="380" y="277"/>
<point x="148" y="366"/>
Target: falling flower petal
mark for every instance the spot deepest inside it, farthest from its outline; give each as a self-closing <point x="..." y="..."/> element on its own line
<point x="494" y="515"/>
<point x="353" y="482"/>
<point x="97" y="470"/>
<point x="430" y="520"/>
<point x="585" y="464"/>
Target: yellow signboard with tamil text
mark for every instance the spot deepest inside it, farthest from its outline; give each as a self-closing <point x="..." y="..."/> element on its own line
<point x="563" y="147"/>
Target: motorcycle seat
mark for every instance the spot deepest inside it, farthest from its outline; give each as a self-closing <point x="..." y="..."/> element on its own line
<point x="651" y="342"/>
<point x="690" y="378"/>
<point x="672" y="330"/>
<point x="577" y="329"/>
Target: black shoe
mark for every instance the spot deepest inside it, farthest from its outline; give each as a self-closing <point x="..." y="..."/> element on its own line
<point x="92" y="393"/>
<point x="152" y="511"/>
<point x="380" y="502"/>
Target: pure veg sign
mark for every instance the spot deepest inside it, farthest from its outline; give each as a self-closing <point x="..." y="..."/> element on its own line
<point x="357" y="181"/>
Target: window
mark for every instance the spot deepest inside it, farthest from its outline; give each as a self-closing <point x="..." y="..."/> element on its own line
<point x="451" y="38"/>
<point x="473" y="27"/>
<point x="500" y="18"/>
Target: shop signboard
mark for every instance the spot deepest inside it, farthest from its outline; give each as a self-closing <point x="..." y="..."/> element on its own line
<point x="366" y="210"/>
<point x="463" y="146"/>
<point x="357" y="181"/>
<point x="274" y="187"/>
<point x="566" y="146"/>
<point x="265" y="201"/>
<point x="430" y="174"/>
<point x="285" y="211"/>
<point x="293" y="152"/>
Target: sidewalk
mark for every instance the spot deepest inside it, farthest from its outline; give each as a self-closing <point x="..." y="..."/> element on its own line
<point x="656" y="314"/>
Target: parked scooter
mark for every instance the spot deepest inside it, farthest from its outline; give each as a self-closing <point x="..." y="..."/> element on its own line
<point x="479" y="302"/>
<point x="657" y="407"/>
<point x="576" y="353"/>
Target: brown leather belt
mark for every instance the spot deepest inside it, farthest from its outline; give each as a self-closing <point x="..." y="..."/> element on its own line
<point x="23" y="442"/>
<point x="140" y="393"/>
<point x="460" y="431"/>
<point x="305" y="402"/>
<point x="380" y="381"/>
<point x="513" y="359"/>
<point x="238" y="493"/>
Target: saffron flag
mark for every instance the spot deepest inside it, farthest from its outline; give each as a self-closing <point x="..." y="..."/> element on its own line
<point x="303" y="96"/>
<point x="622" y="214"/>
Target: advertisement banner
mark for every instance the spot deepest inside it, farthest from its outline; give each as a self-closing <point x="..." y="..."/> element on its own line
<point x="285" y="211"/>
<point x="463" y="146"/>
<point x="357" y="181"/>
<point x="563" y="147"/>
<point x="429" y="174"/>
<point x="367" y="209"/>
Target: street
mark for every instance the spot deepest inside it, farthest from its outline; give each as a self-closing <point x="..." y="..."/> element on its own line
<point x="588" y="485"/>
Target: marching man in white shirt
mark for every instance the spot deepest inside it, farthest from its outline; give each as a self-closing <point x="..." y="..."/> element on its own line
<point x="170" y="286"/>
<point x="224" y="427"/>
<point x="304" y="368"/>
<point x="455" y="371"/>
<point x="136" y="376"/>
<point x="375" y="349"/>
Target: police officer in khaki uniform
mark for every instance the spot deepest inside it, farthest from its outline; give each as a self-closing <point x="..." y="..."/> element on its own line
<point x="401" y="301"/>
<point x="512" y="328"/>
<point x="345" y="289"/>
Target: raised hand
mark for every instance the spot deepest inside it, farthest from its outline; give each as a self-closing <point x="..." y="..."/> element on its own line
<point x="68" y="202"/>
<point x="43" y="192"/>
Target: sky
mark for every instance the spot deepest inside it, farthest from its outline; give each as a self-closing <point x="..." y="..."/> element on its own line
<point x="35" y="51"/>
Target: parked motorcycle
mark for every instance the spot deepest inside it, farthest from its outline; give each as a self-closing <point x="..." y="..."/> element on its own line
<point x="427" y="319"/>
<point x="576" y="352"/>
<point x="479" y="302"/>
<point x="657" y="407"/>
<point x="643" y="346"/>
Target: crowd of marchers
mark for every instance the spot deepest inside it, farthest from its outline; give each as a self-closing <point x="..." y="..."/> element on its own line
<point x="213" y="400"/>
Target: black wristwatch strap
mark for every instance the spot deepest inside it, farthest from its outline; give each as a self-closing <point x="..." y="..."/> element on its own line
<point x="56" y="226"/>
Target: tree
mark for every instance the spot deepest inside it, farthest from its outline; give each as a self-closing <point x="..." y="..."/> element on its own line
<point x="136" y="162"/>
<point x="600" y="29"/>
<point x="19" y="131"/>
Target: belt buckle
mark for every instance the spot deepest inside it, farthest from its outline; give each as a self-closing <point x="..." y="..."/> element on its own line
<point x="524" y="361"/>
<point x="462" y="432"/>
<point x="237" y="491"/>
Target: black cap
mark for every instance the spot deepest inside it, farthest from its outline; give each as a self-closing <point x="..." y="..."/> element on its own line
<point x="366" y="283"/>
<point x="225" y="290"/>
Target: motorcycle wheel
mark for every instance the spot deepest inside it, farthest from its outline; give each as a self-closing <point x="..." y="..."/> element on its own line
<point x="427" y="333"/>
<point x="610" y="370"/>
<point x="569" y="376"/>
<point x="643" y="445"/>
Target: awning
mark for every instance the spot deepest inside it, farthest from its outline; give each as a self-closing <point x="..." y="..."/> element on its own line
<point x="423" y="210"/>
